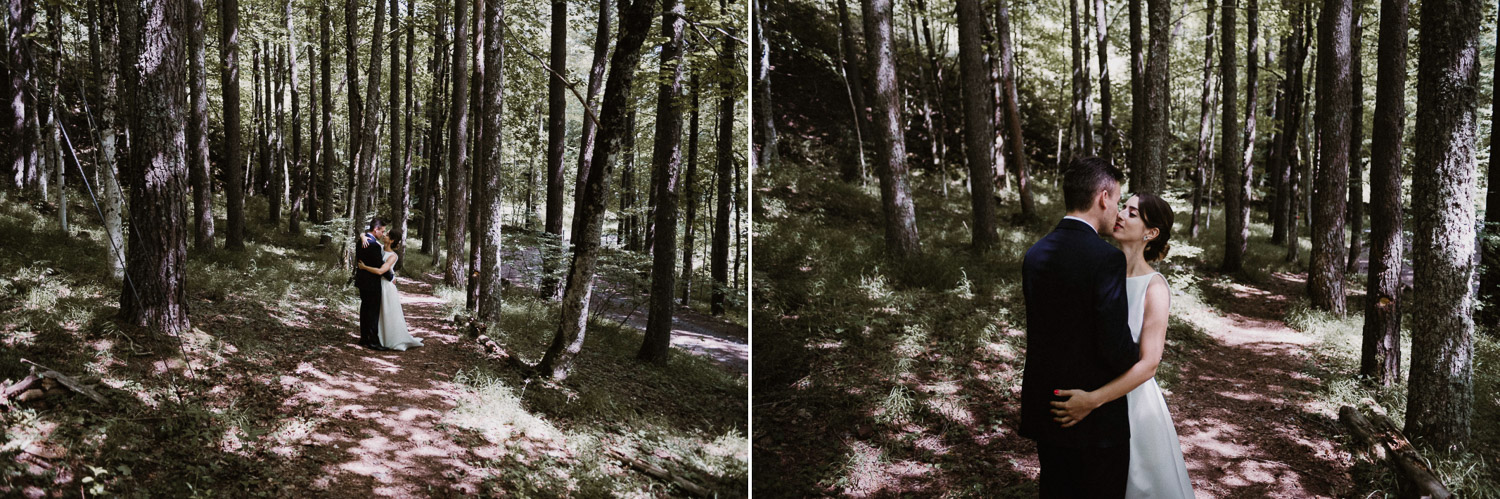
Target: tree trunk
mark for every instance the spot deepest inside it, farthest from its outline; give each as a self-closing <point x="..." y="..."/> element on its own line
<point x="666" y="159"/>
<point x="1380" y="356"/>
<point x="458" y="154"/>
<point x="1018" y="159"/>
<point x="154" y="295"/>
<point x="54" y="128"/>
<point x="764" y="125"/>
<point x="356" y="187"/>
<point x="1326" y="273"/>
<point x="590" y="127"/>
<point x="1237" y="210"/>
<point x="979" y="128"/>
<point x="691" y="196"/>
<point x="294" y="158"/>
<point x="476" y="131"/>
<point x="854" y="84"/>
<point x="1229" y="149"/>
<point x="489" y="206"/>
<point x="1205" y="121"/>
<point x="1356" y="142"/>
<point x="1489" y="278"/>
<point x="436" y="123"/>
<point x="279" y="168"/>
<point x="927" y="91"/>
<point x="1101" y="21"/>
<point x="933" y="85"/>
<point x="718" y="259"/>
<point x="1078" y="125"/>
<point x="197" y="132"/>
<point x="1440" y="395"/>
<point x="557" y="133"/>
<point x="1152" y="171"/>
<point x="369" y="137"/>
<point x="400" y="193"/>
<point x="896" y="202"/>
<point x="105" y="68"/>
<point x="23" y="149"/>
<point x="635" y="23"/>
<point x="1137" y="93"/>
<point x="409" y="115"/>
<point x="229" y="83"/>
<point x="325" y="187"/>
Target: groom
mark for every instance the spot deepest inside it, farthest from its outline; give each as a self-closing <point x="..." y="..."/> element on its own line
<point x="1076" y="335"/>
<point x="367" y="251"/>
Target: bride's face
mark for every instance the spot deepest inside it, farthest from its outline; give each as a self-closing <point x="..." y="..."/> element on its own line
<point x="1129" y="226"/>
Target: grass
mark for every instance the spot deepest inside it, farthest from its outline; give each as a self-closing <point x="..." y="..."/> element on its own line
<point x="227" y="423"/>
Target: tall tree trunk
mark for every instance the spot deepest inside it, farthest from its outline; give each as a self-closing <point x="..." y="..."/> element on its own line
<point x="635" y="23"/>
<point x="294" y="157"/>
<point x="1356" y="142"/>
<point x="400" y="194"/>
<point x="1101" y="21"/>
<point x="54" y="101"/>
<point x="1283" y="208"/>
<point x="154" y="295"/>
<point x="315" y="158"/>
<point x="369" y="138"/>
<point x="458" y="154"/>
<point x="105" y="68"/>
<point x="409" y="115"/>
<point x="1326" y="274"/>
<point x="23" y="145"/>
<point x="1489" y="278"/>
<point x="476" y="132"/>
<point x="1440" y="398"/>
<point x="229" y="83"/>
<point x="1380" y="353"/>
<point x="1137" y="93"/>
<point x="1153" y="166"/>
<point x="1205" y="121"/>
<point x="896" y="202"/>
<point x="197" y="132"/>
<point x="557" y="134"/>
<point x="325" y="187"/>
<point x="1229" y="149"/>
<point x="691" y="196"/>
<point x="928" y="91"/>
<point x="979" y="128"/>
<point x="854" y="85"/>
<point x="666" y="159"/>
<point x="718" y="251"/>
<point x="436" y="124"/>
<point x="628" y="207"/>
<point x="279" y="167"/>
<point x="1237" y="210"/>
<point x="934" y="87"/>
<point x="1078" y="125"/>
<point x="590" y="127"/>
<point x="489" y="205"/>
<point x="1017" y="141"/>
<point x="356" y="188"/>
<point x="764" y="125"/>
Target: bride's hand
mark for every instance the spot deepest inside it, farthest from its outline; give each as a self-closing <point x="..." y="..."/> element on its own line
<point x="1076" y="405"/>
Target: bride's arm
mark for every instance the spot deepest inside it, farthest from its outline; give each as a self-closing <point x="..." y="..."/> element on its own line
<point x="389" y="262"/>
<point x="1079" y="403"/>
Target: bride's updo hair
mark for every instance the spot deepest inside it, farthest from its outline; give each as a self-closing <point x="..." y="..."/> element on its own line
<point x="395" y="237"/>
<point x="1157" y="214"/>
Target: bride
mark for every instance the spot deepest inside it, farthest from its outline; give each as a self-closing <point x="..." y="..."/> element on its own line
<point x="1157" y="469"/>
<point x="393" y="334"/>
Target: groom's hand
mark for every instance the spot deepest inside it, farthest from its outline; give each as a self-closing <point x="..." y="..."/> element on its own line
<point x="1075" y="405"/>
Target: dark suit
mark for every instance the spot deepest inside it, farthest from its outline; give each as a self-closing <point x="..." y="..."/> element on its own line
<point x="1076" y="338"/>
<point x="367" y="251"/>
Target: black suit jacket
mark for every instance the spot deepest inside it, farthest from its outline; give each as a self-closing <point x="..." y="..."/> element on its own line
<point x="1076" y="334"/>
<point x="367" y="251"/>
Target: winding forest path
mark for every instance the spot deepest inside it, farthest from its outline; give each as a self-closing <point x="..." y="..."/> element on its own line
<point x="1244" y="405"/>
<point x="383" y="413"/>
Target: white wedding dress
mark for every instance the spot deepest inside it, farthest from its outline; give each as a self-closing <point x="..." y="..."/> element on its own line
<point x="393" y="334"/>
<point x="1156" y="466"/>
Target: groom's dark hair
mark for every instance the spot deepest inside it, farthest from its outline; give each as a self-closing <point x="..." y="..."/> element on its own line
<point x="376" y="222"/>
<point x="1084" y="178"/>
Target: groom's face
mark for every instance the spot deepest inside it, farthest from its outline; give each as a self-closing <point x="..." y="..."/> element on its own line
<point x="378" y="231"/>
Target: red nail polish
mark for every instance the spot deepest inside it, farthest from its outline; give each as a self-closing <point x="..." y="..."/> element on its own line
<point x="1057" y="392"/>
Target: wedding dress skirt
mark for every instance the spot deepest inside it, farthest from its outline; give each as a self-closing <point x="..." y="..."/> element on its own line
<point x="1157" y="469"/>
<point x="393" y="333"/>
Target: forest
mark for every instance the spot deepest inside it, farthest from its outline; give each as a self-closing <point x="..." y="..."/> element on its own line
<point x="190" y="188"/>
<point x="1333" y="273"/>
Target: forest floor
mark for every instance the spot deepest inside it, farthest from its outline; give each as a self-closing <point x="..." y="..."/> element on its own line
<point x="881" y="379"/>
<point x="276" y="400"/>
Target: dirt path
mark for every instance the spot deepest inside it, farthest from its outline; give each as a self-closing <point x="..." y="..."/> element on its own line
<point x="1243" y="409"/>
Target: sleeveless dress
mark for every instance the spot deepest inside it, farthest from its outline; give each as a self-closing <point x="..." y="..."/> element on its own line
<point x="1157" y="469"/>
<point x="393" y="334"/>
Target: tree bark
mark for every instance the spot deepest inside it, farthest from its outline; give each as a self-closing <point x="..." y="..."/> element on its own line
<point x="979" y="128"/>
<point x="488" y="230"/>
<point x="765" y="126"/>
<point x="369" y="138"/>
<point x="1326" y="273"/>
<point x="154" y="295"/>
<point x="1237" y="208"/>
<point x="590" y="128"/>
<point x="197" y="132"/>
<point x="1078" y="125"/>
<point x="400" y="193"/>
<point x="718" y="251"/>
<point x="294" y="156"/>
<point x="1017" y="141"/>
<point x="1489" y="279"/>
<point x="1440" y="397"/>
<point x="1137" y="92"/>
<point x="854" y="84"/>
<point x="476" y="132"/>
<point x="1101" y="22"/>
<point x="104" y="46"/>
<point x="356" y="187"/>
<point x="927" y="90"/>
<point x="688" y="232"/>
<point x="666" y="159"/>
<point x="1356" y="141"/>
<point x="557" y="134"/>
<point x="229" y="83"/>
<point x="1229" y="149"/>
<point x="23" y="149"/>
<point x="325" y="187"/>
<point x="635" y="23"/>
<point x="458" y="154"/>
<point x="1152" y="171"/>
<point x="436" y="123"/>
<point x="279" y="166"/>
<point x="1205" y="122"/>
<point x="1380" y="354"/>
<point x="896" y="202"/>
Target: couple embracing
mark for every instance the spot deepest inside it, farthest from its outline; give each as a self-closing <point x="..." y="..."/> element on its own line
<point x="382" y="325"/>
<point x="1096" y="323"/>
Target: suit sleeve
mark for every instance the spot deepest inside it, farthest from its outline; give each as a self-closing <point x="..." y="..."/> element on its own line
<point x="1116" y="347"/>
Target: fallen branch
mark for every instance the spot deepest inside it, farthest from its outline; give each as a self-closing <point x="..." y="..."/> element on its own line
<point x="661" y="473"/>
<point x="67" y="381"/>
<point x="1379" y="439"/>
